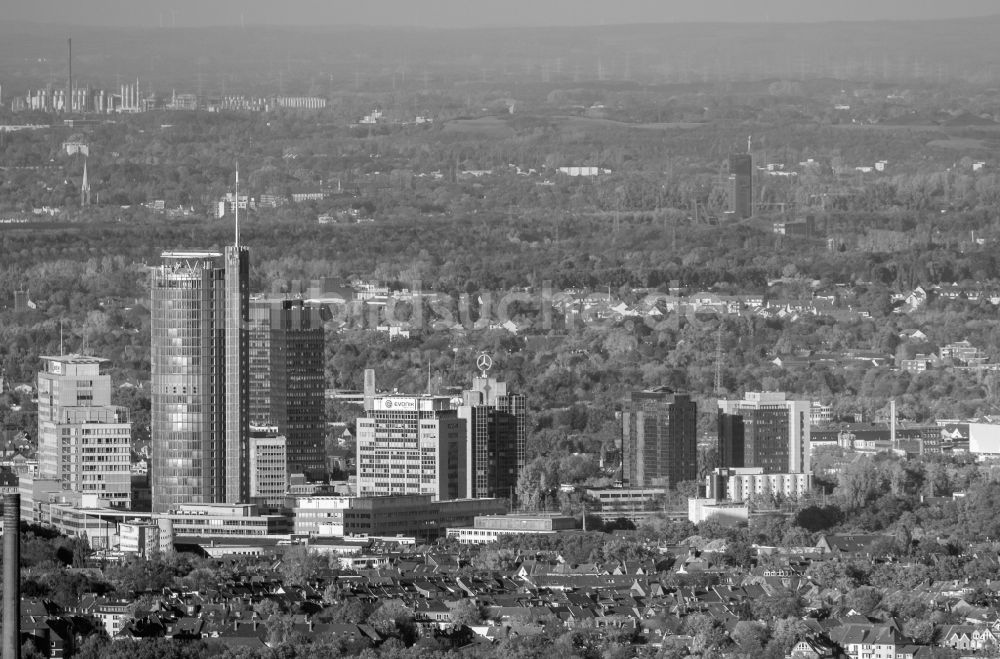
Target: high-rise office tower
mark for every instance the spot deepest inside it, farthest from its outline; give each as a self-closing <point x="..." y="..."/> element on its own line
<point x="495" y="427"/>
<point x="83" y="440"/>
<point x="200" y="386"/>
<point x="741" y="185"/>
<point x="766" y="431"/>
<point x="410" y="445"/>
<point x="659" y="438"/>
<point x="287" y="379"/>
<point x="268" y="471"/>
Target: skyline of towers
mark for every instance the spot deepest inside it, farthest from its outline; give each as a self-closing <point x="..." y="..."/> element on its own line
<point x="199" y="361"/>
<point x="766" y="431"/>
<point x="659" y="438"/>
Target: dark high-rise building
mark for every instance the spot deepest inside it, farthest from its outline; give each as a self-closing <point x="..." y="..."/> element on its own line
<point x="659" y="438"/>
<point x="764" y="431"/>
<point x="496" y="431"/>
<point x="741" y="185"/>
<point x="287" y="379"/>
<point x="200" y="387"/>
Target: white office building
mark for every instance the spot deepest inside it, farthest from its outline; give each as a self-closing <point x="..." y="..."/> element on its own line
<point x="84" y="441"/>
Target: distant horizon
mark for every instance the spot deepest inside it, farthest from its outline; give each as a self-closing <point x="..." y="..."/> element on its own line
<point x="459" y="28"/>
<point x="466" y="14"/>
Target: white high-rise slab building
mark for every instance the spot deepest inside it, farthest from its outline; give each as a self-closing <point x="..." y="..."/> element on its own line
<point x="84" y="441"/>
<point x="411" y="445"/>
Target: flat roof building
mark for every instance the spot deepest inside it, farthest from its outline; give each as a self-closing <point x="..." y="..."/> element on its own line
<point x="268" y="471"/>
<point x="740" y="485"/>
<point x="287" y="382"/>
<point x="765" y="430"/>
<point x="495" y="428"/>
<point x="659" y="439"/>
<point x="488" y="528"/>
<point x="223" y="520"/>
<point x="410" y="445"/>
<point x="409" y="515"/>
<point x="84" y="441"/>
<point x="632" y="503"/>
<point x="139" y="538"/>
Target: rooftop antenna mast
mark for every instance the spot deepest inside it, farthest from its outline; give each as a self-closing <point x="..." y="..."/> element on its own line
<point x="236" y="205"/>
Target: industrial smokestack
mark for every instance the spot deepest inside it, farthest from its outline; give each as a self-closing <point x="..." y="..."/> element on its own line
<point x="69" y="83"/>
<point x="11" y="576"/>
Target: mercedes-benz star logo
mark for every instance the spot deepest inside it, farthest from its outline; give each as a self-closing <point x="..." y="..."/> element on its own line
<point x="484" y="363"/>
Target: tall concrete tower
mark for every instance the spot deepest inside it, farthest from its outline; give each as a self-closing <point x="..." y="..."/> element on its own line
<point x="741" y="185"/>
<point x="11" y="576"/>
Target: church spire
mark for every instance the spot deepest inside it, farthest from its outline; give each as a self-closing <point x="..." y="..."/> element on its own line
<point x="84" y="187"/>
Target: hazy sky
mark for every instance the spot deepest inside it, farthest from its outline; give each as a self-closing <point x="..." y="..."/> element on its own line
<point x="463" y="13"/>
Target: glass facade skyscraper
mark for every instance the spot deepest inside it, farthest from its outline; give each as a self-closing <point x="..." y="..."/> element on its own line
<point x="287" y="379"/>
<point x="766" y="431"/>
<point x="496" y="432"/>
<point x="200" y="386"/>
<point x="659" y="439"/>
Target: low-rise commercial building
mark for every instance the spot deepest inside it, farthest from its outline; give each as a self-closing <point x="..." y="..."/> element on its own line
<point x="84" y="516"/>
<point x="143" y="538"/>
<point x="487" y="528"/>
<point x="631" y="503"/>
<point x="724" y="512"/>
<point x="416" y="514"/>
<point x="743" y="484"/>
<point x="224" y="520"/>
<point x="36" y="496"/>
